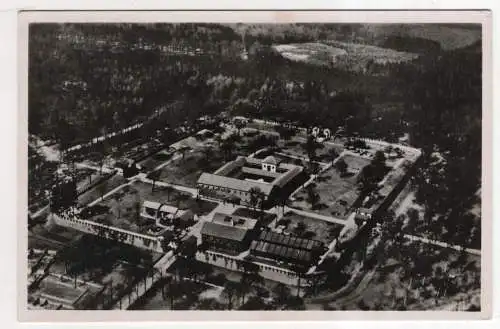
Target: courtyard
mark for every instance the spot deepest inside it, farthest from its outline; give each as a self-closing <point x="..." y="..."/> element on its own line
<point x="332" y="193"/>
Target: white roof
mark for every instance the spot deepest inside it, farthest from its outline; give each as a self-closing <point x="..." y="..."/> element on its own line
<point x="164" y="207"/>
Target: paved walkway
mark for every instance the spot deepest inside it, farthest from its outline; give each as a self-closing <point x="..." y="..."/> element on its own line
<point x="316" y="216"/>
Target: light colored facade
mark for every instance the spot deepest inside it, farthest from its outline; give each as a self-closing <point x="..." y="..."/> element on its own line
<point x="236" y="179"/>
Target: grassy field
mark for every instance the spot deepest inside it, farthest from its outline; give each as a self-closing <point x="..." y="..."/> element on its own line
<point x="310" y="52"/>
<point x="337" y="193"/>
<point x="361" y="53"/>
<point x="314" y="228"/>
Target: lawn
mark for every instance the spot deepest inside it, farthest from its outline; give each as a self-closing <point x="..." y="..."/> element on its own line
<point x="337" y="194"/>
<point x="313" y="228"/>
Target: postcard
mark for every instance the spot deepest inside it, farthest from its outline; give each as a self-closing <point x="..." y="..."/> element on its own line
<point x="254" y="165"/>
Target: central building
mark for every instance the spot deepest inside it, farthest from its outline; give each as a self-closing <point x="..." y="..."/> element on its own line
<point x="237" y="181"/>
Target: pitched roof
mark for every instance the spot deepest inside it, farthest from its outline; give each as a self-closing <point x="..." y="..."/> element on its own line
<point x="233" y="183"/>
<point x="224" y="231"/>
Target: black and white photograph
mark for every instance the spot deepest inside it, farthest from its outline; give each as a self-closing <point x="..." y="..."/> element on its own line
<point x="242" y="166"/>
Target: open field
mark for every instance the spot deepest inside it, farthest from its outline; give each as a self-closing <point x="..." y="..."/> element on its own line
<point x="348" y="56"/>
<point x="310" y="52"/>
<point x="337" y="194"/>
<point x="362" y="53"/>
<point x="313" y="228"/>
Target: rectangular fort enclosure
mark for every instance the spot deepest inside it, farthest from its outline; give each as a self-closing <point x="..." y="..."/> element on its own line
<point x="254" y="165"/>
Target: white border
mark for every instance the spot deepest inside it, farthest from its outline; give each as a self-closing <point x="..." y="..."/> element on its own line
<point x="8" y="23"/>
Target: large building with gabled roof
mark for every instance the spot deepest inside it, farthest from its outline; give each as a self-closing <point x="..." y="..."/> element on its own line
<point x="236" y="180"/>
<point x="228" y="233"/>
